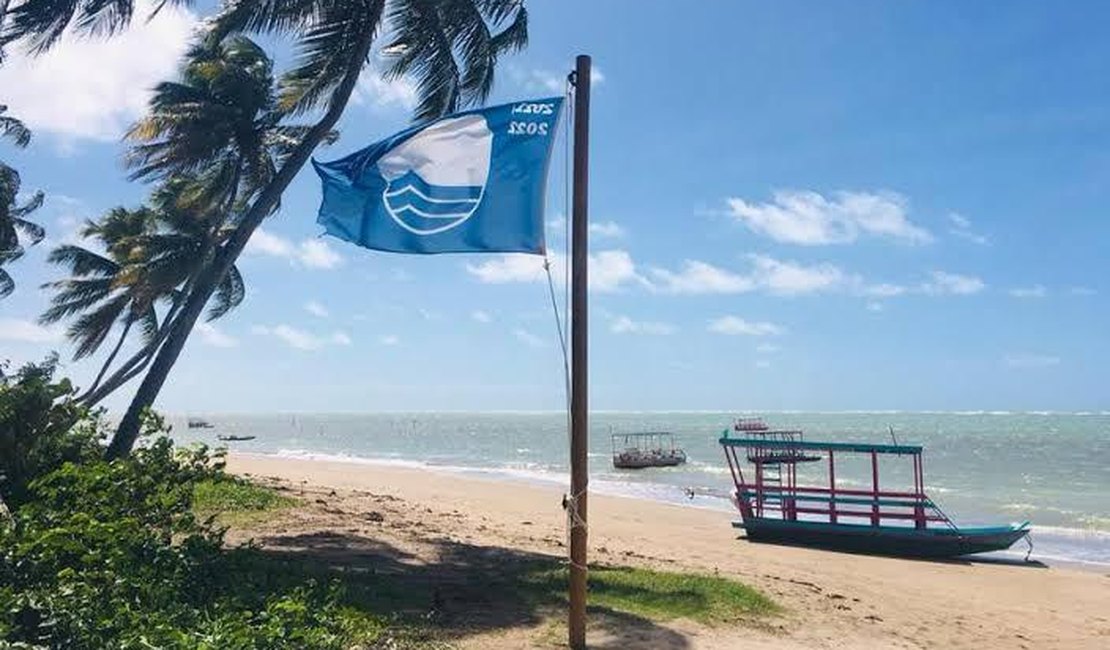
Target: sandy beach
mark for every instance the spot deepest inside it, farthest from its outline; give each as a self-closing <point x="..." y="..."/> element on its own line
<point x="433" y="521"/>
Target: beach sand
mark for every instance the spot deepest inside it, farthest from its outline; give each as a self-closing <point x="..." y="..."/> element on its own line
<point x="440" y="525"/>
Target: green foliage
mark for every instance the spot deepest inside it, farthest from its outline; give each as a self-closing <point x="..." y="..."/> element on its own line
<point x="659" y="595"/>
<point x="40" y="428"/>
<point x="112" y="555"/>
<point x="14" y="225"/>
<point x="234" y="501"/>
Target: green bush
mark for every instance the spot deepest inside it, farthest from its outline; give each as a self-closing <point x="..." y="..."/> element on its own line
<point x="111" y="555"/>
<point x="41" y="428"/>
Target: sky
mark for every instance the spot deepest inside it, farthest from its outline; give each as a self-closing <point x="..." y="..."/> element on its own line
<point x="814" y="206"/>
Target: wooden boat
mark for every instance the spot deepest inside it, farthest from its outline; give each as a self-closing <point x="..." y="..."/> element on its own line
<point x="197" y="423"/>
<point x="642" y="450"/>
<point x="235" y="438"/>
<point x="774" y="508"/>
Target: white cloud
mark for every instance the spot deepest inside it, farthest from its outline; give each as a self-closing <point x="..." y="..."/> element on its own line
<point x="93" y="88"/>
<point x="389" y="339"/>
<point x="311" y="253"/>
<point x="625" y="325"/>
<point x="789" y="278"/>
<point x="609" y="270"/>
<point x="961" y="227"/>
<point x="736" y="326"/>
<point x="808" y="218"/>
<point x="767" y="274"/>
<point x="1035" y="291"/>
<point x="766" y="348"/>
<point x="481" y="316"/>
<point x="874" y="306"/>
<point x="942" y="283"/>
<point x="1082" y="291"/>
<point x="375" y="91"/>
<point x="881" y="290"/>
<point x="25" y="331"/>
<point x="264" y="242"/>
<point x="70" y="220"/>
<point x="300" y="339"/>
<point x="1031" y="360"/>
<point x="211" y="335"/>
<point x="508" y="268"/>
<point x="762" y="363"/>
<point x="316" y="254"/>
<point x="606" y="229"/>
<point x="544" y="80"/>
<point x="698" y="277"/>
<point x="529" y="338"/>
<point x="316" y="309"/>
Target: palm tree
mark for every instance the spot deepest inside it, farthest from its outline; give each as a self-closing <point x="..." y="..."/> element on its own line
<point x="42" y="22"/>
<point x="13" y="221"/>
<point x="150" y="255"/>
<point x="450" y="48"/>
<point x="102" y="289"/>
<point x="219" y="123"/>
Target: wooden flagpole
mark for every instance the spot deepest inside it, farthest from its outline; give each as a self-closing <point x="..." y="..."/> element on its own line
<point x="579" y="396"/>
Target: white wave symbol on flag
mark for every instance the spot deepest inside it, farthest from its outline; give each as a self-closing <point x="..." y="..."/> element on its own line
<point x="435" y="179"/>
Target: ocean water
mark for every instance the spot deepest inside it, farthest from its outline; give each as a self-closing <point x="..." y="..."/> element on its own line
<point x="1052" y="469"/>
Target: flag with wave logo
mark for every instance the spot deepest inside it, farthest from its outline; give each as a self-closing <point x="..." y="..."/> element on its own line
<point x="469" y="182"/>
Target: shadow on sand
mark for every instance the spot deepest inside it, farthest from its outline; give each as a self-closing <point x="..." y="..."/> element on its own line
<point x="467" y="590"/>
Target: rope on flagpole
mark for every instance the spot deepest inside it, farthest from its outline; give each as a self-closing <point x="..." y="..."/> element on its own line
<point x="562" y="322"/>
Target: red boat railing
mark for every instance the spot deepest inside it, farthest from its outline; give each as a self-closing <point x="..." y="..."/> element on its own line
<point x="774" y="490"/>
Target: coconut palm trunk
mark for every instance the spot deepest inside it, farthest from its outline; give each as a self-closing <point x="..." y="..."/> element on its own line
<point x="112" y="356"/>
<point x="128" y="431"/>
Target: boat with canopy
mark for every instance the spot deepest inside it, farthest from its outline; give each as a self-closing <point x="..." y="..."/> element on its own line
<point x="648" y="449"/>
<point x="776" y="507"/>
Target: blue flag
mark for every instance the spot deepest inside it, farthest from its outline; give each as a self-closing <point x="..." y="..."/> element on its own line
<point x="470" y="182"/>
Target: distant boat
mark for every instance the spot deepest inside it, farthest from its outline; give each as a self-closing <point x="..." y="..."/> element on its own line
<point x="643" y="450"/>
<point x="775" y="508"/>
<point x="197" y="423"/>
<point x="235" y="438"/>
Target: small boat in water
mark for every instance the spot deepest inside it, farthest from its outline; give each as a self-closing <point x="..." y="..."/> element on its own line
<point x="197" y="423"/>
<point x="642" y="450"/>
<point x="775" y="508"/>
<point x="235" y="438"/>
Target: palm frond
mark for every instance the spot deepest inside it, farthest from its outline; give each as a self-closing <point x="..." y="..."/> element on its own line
<point x="326" y="50"/>
<point x="14" y="129"/>
<point x="7" y="285"/>
<point x="421" y="49"/>
<point x="268" y="16"/>
<point x="9" y="241"/>
<point x="9" y="187"/>
<point x="91" y="328"/>
<point x="148" y="322"/>
<point x="82" y="261"/>
<point x="40" y="23"/>
<point x="449" y="48"/>
<point x="34" y="203"/>
<point x="74" y="297"/>
<point x="229" y="294"/>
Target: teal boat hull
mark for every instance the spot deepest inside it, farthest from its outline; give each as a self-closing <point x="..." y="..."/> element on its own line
<point x="884" y="540"/>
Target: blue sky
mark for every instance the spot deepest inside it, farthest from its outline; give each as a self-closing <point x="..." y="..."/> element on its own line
<point x="837" y="205"/>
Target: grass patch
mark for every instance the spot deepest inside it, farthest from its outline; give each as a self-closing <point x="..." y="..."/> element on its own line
<point x="236" y="501"/>
<point x="660" y="595"/>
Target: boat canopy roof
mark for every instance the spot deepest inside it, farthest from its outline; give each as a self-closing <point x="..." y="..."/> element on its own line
<point x="813" y="445"/>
